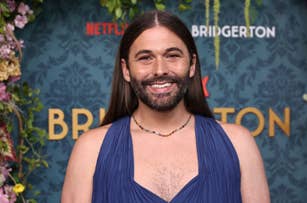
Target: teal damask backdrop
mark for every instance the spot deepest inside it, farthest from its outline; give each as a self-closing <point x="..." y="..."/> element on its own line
<point x="74" y="70"/>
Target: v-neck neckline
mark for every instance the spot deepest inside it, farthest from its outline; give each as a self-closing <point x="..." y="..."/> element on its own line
<point x="190" y="182"/>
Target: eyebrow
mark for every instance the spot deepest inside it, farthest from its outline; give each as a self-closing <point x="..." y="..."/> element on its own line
<point x="174" y="49"/>
<point x="146" y="51"/>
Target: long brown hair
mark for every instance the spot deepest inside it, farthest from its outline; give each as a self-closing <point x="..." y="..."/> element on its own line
<point x="123" y="100"/>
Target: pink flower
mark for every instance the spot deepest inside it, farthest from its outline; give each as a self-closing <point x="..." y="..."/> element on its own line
<point x="13" y="79"/>
<point x="11" y="4"/>
<point x="4" y="172"/>
<point x="4" y="198"/>
<point x="4" y="96"/>
<point x="23" y="8"/>
<point x="10" y="193"/>
<point x="1" y="38"/>
<point x="20" y="21"/>
<point x="4" y="53"/>
<point x="10" y="27"/>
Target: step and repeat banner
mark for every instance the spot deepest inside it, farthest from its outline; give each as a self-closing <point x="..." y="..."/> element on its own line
<point x="70" y="52"/>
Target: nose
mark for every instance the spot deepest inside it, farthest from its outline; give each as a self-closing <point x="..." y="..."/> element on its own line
<point x="160" y="68"/>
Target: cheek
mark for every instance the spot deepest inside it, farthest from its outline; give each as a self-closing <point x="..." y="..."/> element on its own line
<point x="180" y="69"/>
<point x="138" y="71"/>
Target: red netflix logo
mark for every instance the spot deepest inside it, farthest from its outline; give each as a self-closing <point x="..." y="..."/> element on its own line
<point x="105" y="28"/>
<point x="204" y="83"/>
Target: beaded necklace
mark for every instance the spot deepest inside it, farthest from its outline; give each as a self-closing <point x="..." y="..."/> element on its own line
<point x="158" y="133"/>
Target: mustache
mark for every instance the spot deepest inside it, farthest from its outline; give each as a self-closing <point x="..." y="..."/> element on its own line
<point x="162" y="78"/>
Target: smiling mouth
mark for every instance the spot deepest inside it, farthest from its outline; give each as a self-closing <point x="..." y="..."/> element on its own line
<point x="161" y="88"/>
<point x="161" y="85"/>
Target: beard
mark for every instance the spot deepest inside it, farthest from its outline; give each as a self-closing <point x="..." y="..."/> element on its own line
<point x="161" y="101"/>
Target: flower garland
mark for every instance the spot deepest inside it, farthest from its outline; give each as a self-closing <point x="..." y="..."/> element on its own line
<point x="17" y="102"/>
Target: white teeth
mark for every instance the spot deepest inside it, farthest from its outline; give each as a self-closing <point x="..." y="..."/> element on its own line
<point x="161" y="85"/>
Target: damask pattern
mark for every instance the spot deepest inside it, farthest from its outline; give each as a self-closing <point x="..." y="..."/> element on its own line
<point x="74" y="70"/>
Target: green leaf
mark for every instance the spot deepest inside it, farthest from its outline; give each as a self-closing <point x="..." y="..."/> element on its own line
<point x="133" y="2"/>
<point x="45" y="163"/>
<point x="23" y="149"/>
<point x="31" y="18"/>
<point x="15" y="97"/>
<point x="9" y="127"/>
<point x="183" y="7"/>
<point x="160" y="7"/>
<point x="132" y="12"/>
<point x="32" y="200"/>
<point x="118" y="12"/>
<point x="103" y="3"/>
<point x="4" y="9"/>
<point x="110" y="5"/>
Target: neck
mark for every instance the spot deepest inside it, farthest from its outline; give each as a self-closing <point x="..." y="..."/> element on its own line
<point x="165" y="120"/>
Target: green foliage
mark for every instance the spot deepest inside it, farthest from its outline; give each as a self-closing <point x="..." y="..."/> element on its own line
<point x="21" y="140"/>
<point x="32" y="138"/>
<point x="123" y="10"/>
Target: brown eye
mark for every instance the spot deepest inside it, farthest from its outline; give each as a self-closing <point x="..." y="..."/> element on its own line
<point x="172" y="56"/>
<point x="144" y="58"/>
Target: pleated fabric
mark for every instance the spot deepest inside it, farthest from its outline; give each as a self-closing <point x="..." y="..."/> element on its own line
<point x="218" y="180"/>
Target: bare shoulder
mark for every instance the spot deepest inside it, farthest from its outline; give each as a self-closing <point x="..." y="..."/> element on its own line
<point x="88" y="144"/>
<point x="254" y="186"/>
<point x="242" y="140"/>
<point x="92" y="138"/>
<point x="81" y="166"/>
<point x="238" y="135"/>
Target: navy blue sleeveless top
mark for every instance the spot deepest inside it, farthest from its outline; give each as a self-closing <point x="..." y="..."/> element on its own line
<point x="218" y="180"/>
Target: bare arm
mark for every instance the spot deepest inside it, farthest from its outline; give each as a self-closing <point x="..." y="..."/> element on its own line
<point x="81" y="166"/>
<point x="254" y="186"/>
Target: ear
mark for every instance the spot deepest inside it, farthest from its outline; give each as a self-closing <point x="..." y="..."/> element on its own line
<point x="192" y="66"/>
<point x="126" y="73"/>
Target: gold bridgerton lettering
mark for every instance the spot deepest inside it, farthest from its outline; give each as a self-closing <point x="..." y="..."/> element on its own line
<point x="76" y="126"/>
<point x="273" y="119"/>
<point x="56" y="120"/>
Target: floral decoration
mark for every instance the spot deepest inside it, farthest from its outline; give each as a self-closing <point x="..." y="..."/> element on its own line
<point x="21" y="142"/>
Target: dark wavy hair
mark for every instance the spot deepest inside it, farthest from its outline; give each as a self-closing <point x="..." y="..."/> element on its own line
<point x="123" y="100"/>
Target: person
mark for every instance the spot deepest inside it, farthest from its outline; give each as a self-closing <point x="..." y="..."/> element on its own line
<point x="159" y="141"/>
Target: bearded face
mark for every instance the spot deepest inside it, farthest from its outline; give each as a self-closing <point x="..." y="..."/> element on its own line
<point x="159" y="68"/>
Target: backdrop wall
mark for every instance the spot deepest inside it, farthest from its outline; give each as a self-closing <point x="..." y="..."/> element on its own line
<point x="259" y="83"/>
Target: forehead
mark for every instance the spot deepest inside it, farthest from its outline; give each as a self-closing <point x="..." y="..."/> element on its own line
<point x="158" y="38"/>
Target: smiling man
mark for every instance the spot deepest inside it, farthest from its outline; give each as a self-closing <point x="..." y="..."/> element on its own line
<point x="159" y="141"/>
